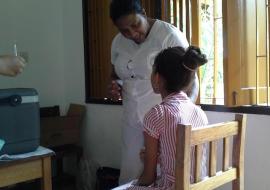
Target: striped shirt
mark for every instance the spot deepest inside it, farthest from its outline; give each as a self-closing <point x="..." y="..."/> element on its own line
<point x="160" y="123"/>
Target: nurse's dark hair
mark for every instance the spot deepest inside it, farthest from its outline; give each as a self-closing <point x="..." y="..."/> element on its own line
<point x="119" y="8"/>
<point x="178" y="66"/>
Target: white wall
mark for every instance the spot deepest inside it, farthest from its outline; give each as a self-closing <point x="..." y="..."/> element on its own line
<point x="51" y="33"/>
<point x="73" y="51"/>
<point x="102" y="135"/>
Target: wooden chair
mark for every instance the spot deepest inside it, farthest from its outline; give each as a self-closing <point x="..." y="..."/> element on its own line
<point x="188" y="137"/>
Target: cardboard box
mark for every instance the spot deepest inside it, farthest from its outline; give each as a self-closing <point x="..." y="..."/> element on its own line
<point x="62" y="130"/>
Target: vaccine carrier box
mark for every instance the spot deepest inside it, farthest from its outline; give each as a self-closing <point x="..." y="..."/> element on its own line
<point x="19" y="120"/>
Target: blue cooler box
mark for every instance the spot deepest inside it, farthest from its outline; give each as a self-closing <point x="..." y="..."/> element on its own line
<point x="19" y="120"/>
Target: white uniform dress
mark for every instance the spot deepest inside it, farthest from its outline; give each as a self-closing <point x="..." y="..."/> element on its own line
<point x="133" y="65"/>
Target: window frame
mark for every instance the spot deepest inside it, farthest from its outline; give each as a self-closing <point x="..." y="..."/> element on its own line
<point x="264" y="110"/>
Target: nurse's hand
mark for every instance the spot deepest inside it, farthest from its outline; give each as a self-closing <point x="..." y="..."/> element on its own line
<point x="11" y="65"/>
<point x="114" y="91"/>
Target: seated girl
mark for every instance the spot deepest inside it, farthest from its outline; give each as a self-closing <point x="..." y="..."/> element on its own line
<point x="173" y="72"/>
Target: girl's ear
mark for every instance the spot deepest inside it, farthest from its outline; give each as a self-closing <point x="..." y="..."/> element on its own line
<point x="154" y="82"/>
<point x="157" y="85"/>
<point x="157" y="78"/>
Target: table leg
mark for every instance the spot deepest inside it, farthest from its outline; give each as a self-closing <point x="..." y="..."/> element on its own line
<point x="46" y="181"/>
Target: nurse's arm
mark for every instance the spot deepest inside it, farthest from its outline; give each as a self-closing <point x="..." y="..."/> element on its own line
<point x="114" y="89"/>
<point x="114" y="76"/>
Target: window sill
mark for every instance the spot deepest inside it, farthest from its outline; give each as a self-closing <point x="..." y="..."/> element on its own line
<point x="261" y="110"/>
<point x="103" y="101"/>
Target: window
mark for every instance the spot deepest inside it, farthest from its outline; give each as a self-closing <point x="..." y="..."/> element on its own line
<point x="202" y="23"/>
<point x="247" y="52"/>
<point x="233" y="33"/>
<point x="235" y="37"/>
<point x="98" y="31"/>
<point x="211" y="41"/>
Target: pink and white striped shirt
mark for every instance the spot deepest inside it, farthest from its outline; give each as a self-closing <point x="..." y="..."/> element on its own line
<point x="161" y="122"/>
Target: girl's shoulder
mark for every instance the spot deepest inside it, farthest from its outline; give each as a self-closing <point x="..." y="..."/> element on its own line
<point x="200" y="114"/>
<point x="157" y="111"/>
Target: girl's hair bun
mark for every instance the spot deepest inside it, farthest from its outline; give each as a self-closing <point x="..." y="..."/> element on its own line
<point x="194" y="58"/>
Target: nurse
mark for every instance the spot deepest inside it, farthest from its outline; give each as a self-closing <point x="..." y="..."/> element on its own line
<point x="133" y="51"/>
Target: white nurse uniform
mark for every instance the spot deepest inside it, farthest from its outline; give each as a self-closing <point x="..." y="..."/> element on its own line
<point x="133" y="65"/>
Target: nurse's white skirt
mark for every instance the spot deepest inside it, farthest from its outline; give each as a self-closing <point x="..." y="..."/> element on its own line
<point x="133" y="142"/>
